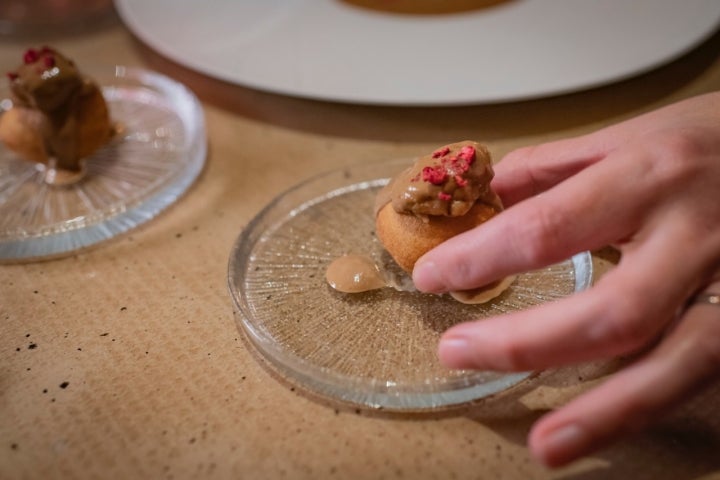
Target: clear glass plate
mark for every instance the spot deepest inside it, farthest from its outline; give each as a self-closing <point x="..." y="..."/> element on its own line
<point x="375" y="349"/>
<point x="158" y="153"/>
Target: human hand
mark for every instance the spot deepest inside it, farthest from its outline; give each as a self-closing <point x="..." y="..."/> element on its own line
<point x="650" y="186"/>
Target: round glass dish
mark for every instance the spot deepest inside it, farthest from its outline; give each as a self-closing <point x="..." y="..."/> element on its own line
<point x="158" y="152"/>
<point x="374" y="349"/>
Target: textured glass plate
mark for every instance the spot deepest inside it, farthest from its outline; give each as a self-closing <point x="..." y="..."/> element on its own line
<point x="375" y="349"/>
<point x="158" y="153"/>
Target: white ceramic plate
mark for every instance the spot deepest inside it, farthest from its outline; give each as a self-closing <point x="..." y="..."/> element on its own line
<point x="327" y="49"/>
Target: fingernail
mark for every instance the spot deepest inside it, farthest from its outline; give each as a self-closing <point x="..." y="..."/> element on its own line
<point x="561" y="443"/>
<point x="426" y="277"/>
<point x="454" y="352"/>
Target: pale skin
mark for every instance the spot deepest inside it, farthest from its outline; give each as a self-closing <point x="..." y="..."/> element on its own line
<point x="649" y="186"/>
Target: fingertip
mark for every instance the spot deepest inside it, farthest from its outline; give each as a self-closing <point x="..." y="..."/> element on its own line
<point x="556" y="445"/>
<point x="535" y="444"/>
<point x="426" y="276"/>
<point x="454" y="352"/>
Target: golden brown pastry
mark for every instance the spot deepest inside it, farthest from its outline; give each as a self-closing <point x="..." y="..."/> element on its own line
<point x="58" y="113"/>
<point x="424" y="7"/>
<point x="442" y="195"/>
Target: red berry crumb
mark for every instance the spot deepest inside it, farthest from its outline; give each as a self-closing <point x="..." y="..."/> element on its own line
<point x="467" y="153"/>
<point x="12" y="76"/>
<point x="435" y="175"/>
<point x="49" y="61"/>
<point x="440" y="152"/>
<point x="31" y="56"/>
<point x="444" y="196"/>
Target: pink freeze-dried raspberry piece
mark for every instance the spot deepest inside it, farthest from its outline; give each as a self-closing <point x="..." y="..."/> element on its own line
<point x="467" y="153"/>
<point x="31" y="56"/>
<point x="445" y="197"/>
<point x="453" y="165"/>
<point x="441" y="152"/>
<point x="435" y="175"/>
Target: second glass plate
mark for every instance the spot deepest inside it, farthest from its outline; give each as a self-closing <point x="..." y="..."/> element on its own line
<point x="157" y="154"/>
<point x="375" y="349"/>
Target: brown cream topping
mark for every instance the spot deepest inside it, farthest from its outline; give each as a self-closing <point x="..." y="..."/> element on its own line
<point x="446" y="182"/>
<point x="46" y="81"/>
<point x="354" y="274"/>
<point x="50" y="83"/>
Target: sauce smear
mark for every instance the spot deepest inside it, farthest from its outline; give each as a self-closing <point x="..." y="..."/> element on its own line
<point x="354" y="274"/>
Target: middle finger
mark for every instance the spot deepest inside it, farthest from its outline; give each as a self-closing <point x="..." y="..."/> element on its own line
<point x="624" y="311"/>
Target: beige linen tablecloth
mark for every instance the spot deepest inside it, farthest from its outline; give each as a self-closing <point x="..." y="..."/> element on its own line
<point x="125" y="361"/>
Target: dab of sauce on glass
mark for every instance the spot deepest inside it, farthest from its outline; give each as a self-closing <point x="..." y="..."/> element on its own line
<point x="354" y="274"/>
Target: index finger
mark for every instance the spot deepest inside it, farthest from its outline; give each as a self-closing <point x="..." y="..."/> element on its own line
<point x="576" y="215"/>
<point x="531" y="170"/>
